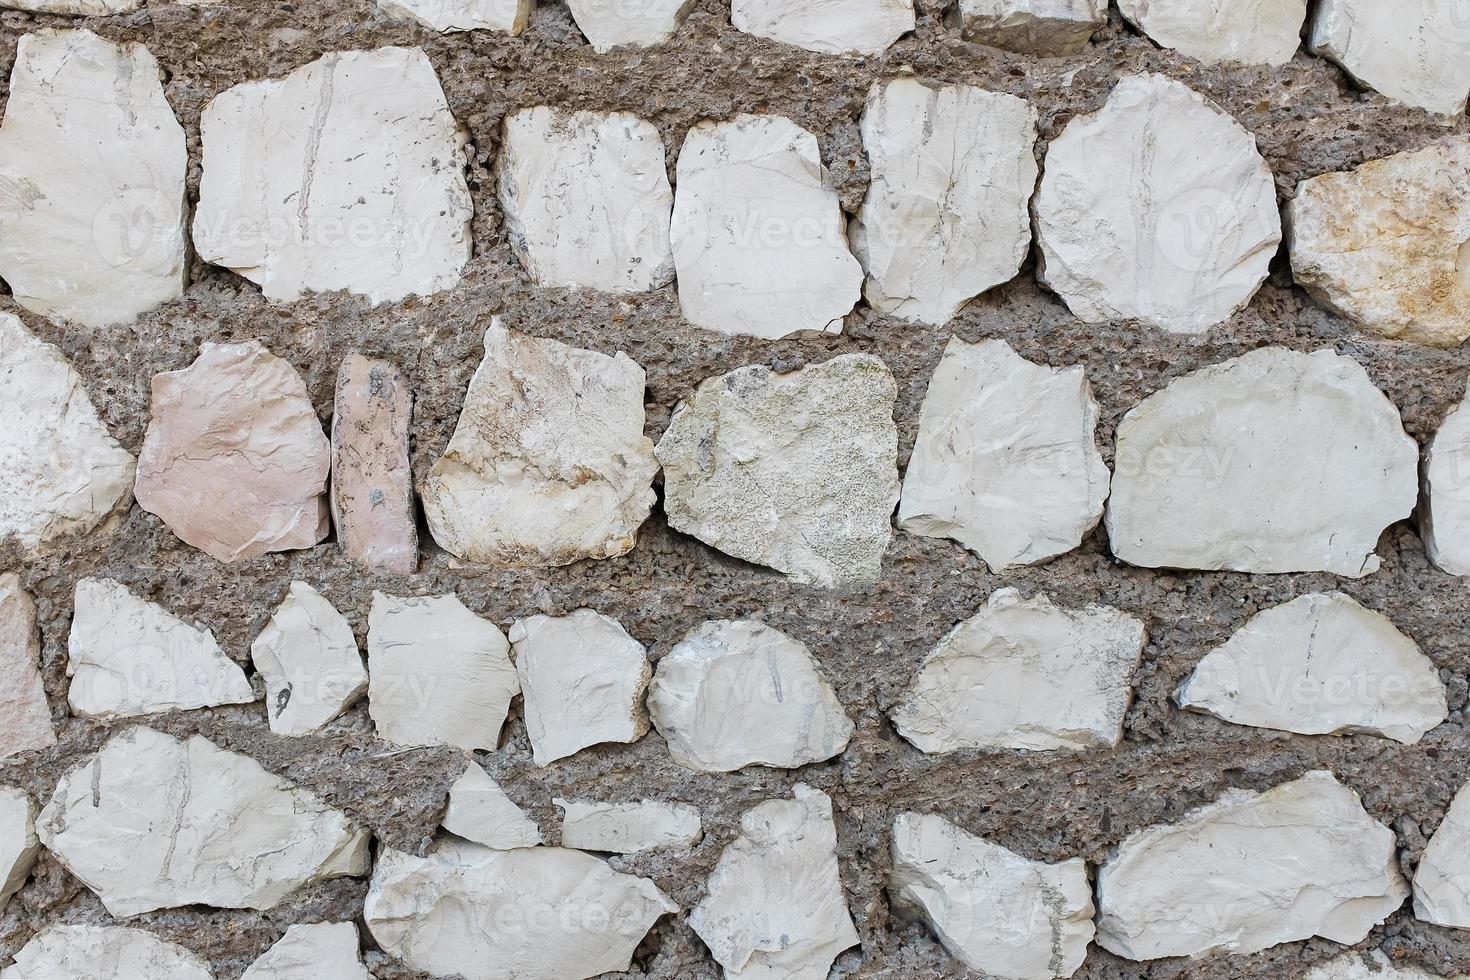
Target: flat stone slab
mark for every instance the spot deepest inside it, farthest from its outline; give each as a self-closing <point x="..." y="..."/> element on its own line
<point x="319" y="951"/>
<point x="449" y="16"/>
<point x="1442" y="881"/>
<point x="371" y="494"/>
<point x="857" y="27"/>
<point x="79" y="952"/>
<point x="609" y="24"/>
<point x="1444" y="513"/>
<point x="25" y="714"/>
<point x="1047" y="28"/>
<point x="628" y="828"/>
<point x="1256" y="32"/>
<point x="309" y="661"/>
<point x="1417" y="53"/>
<point x="479" y="811"/>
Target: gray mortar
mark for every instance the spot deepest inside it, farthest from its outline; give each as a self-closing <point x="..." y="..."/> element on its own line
<point x="1307" y="119"/>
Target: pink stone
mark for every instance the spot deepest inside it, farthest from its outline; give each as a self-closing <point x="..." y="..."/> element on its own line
<point x="372" y="482"/>
<point x="25" y="718"/>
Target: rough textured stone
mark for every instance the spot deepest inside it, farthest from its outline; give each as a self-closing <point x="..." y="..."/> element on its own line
<point x="479" y="811"/>
<point x="309" y="661"/>
<point x="850" y="27"/>
<point x="446" y="16"/>
<point x="1048" y="28"/>
<point x="795" y="471"/>
<point x="1417" y="53"/>
<point x="999" y="913"/>
<point x="627" y="828"/>
<point x="25" y="716"/>
<point x="19" y="845"/>
<point x="372" y="479"/>
<point x="1250" y="871"/>
<point x="946" y="215"/>
<point x="548" y="464"/>
<point x="1352" y="966"/>
<point x="1444" y="510"/>
<point x="347" y="173"/>
<point x="1442" y="882"/>
<point x="79" y="952"/>
<point x="1158" y="208"/>
<point x="323" y="951"/>
<point x="1320" y="665"/>
<point x="583" y="678"/>
<point x="1259" y="32"/>
<point x="586" y="198"/>
<point x="760" y="241"/>
<point x="235" y="461"/>
<point x="153" y="822"/>
<point x="1025" y="675"/>
<point x="92" y="167"/>
<point x="1381" y="244"/>
<point x="541" y="913"/>
<point x="608" y="24"/>
<point x="1275" y="461"/>
<point x="79" y="8"/>
<point x="128" y="657"/>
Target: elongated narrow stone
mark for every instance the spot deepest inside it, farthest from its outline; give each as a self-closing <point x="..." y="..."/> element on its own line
<point x="449" y="16"/>
<point x="76" y="8"/>
<point x="1442" y="882"/>
<point x="1444" y="514"/>
<point x="627" y="828"/>
<point x="372" y="479"/>
<point x="319" y="951"/>
<point x="608" y="24"/>
<point x="25" y="715"/>
<point x="480" y="811"/>
<point x="80" y="952"/>
<point x="1049" y="28"/>
<point x="19" y="845"/>
<point x="1259" y="32"/>
<point x="1418" y="53"/>
<point x="856" y="27"/>
<point x="308" y="658"/>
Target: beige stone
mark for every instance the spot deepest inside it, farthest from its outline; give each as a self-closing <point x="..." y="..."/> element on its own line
<point x="850" y="27"/>
<point x="19" y="845"/>
<point x="1416" y="52"/>
<point x="608" y="24"/>
<point x="1048" y="28"/>
<point x="449" y="16"/>
<point x="319" y="951"/>
<point x="372" y="479"/>
<point x="308" y="658"/>
<point x="25" y="715"/>
<point x="1258" y="32"/>
<point x="1444" y="508"/>
<point x="480" y="811"/>
<point x="1442" y="880"/>
<point x="627" y="828"/>
<point x="80" y="952"/>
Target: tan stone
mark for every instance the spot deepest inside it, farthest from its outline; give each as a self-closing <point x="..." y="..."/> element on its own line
<point x="25" y="717"/>
<point x="372" y="479"/>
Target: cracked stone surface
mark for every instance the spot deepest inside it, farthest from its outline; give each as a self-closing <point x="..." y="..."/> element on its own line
<point x="347" y="173"/>
<point x="19" y="845"/>
<point x="609" y="24"/>
<point x="323" y="951"/>
<point x="309" y="661"/>
<point x="1047" y="28"/>
<point x="1158" y="208"/>
<point x="1352" y="966"/>
<point x="844" y="27"/>
<point x="1442" y="881"/>
<point x="25" y="715"/>
<point x="1250" y="871"/>
<point x="479" y="811"/>
<point x="1418" y="53"/>
<point x="447" y="16"/>
<point x="1444" y="512"/>
<point x="1257" y="32"/>
<point x="83" y="952"/>
<point x="371" y="495"/>
<point x="627" y="828"/>
<point x="92" y="163"/>
<point x="1274" y="461"/>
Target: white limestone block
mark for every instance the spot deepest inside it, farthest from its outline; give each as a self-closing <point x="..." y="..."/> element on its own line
<point x="1444" y="513"/>
<point x="1442" y="881"/>
<point x="25" y="714"/>
<point x="309" y="661"/>
<point x="1418" y="53"/>
<point x="539" y="913"/>
<point x="1001" y="914"/>
<point x="19" y="845"/>
<point x="347" y="173"/>
<point x="1351" y="966"/>
<point x="798" y="471"/>
<point x="737" y="694"/>
<point x="63" y="952"/>
<point x="1255" y="32"/>
<point x="1157" y="208"/>
<point x="609" y="24"/>
<point x="627" y="828"/>
<point x="92" y="164"/>
<point x="1251" y="871"/>
<point x="437" y="673"/>
<point x="1048" y="28"/>
<point x="1320" y="665"/>
<point x="446" y="16"/>
<point x="152" y="822"/>
<point x="128" y="657"/>
<point x="583" y="678"/>
<point x="479" y="811"/>
<point x="760" y="242"/>
<point x="320" y="951"/>
<point x="548" y="464"/>
<point x="946" y="215"/>
<point x="847" y="27"/>
<point x="1274" y="461"/>
<point x="1025" y="675"/>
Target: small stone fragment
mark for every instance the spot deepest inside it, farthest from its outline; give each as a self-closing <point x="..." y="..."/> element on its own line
<point x="359" y="186"/>
<point x="1025" y="675"/>
<point x="1048" y="28"/>
<point x="61" y="472"/>
<point x="92" y="166"/>
<point x="1275" y="461"/>
<point x="608" y="24"/>
<point x="1156" y="208"/>
<point x="737" y="694"/>
<point x="321" y="951"/>
<point x="152" y="822"/>
<point x="309" y="661"/>
<point x="852" y="27"/>
<point x="1382" y="245"/>
<point x="998" y="912"/>
<point x="1320" y="665"/>
<point x="586" y="198"/>
<point x="548" y="464"/>
<point x="372" y="480"/>
<point x="19" y="845"/>
<point x="62" y="952"/>
<point x="1351" y="966"/>
<point x="480" y="811"/>
<point x="627" y="828"/>
<point x="25" y="715"/>
<point x="234" y="460"/>
<point x="1255" y="32"/>
<point x="775" y="906"/>
<point x="795" y="471"/>
<point x="129" y="657"/>
<point x="583" y="679"/>
<point x="446" y="16"/>
<point x="1444" y="514"/>
<point x="760" y="242"/>
<point x="946" y="213"/>
<point x="540" y="913"/>
<point x="1442" y="883"/>
<point x="1251" y="871"/>
<point x="438" y="674"/>
<point x="1418" y="53"/>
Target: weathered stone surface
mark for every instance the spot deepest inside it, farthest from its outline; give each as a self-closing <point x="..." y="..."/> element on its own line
<point x="61" y="472"/>
<point x="541" y="913"/>
<point x="1158" y="208"/>
<point x="79" y="8"/>
<point x="1320" y="665"/>
<point x="347" y="173"/>
<point x="235" y="461"/>
<point x="372" y="479"/>
<point x="480" y="811"/>
<point x="946" y="215"/>
<point x="1250" y="871"/>
<point x="1049" y="28"/>
<point x="152" y="822"/>
<point x="1381" y="244"/>
<point x="760" y="242"/>
<point x="586" y="198"/>
<point x="1352" y="966"/>
<point x="438" y="674"/>
<point x="1006" y="460"/>
<point x="775" y="906"/>
<point x="322" y="951"/>
<point x="309" y="661"/>
<point x="25" y="715"/>
<point x="1025" y="675"/>
<point x="850" y="27"/>
<point x="615" y="23"/>
<point x="1257" y="32"/>
<point x="1444" y="511"/>
<point x="548" y="464"/>
<point x="92" y="166"/>
<point x="627" y="828"/>
<point x="1417" y="53"/>
<point x="128" y="657"/>
<point x="445" y="16"/>
<point x="1000" y="913"/>
<point x="19" y="845"/>
<point x="795" y="471"/>
<point x="1275" y="461"/>
<point x="583" y="679"/>
<point x="737" y="694"/>
<point x="63" y="952"/>
<point x="1442" y="882"/>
